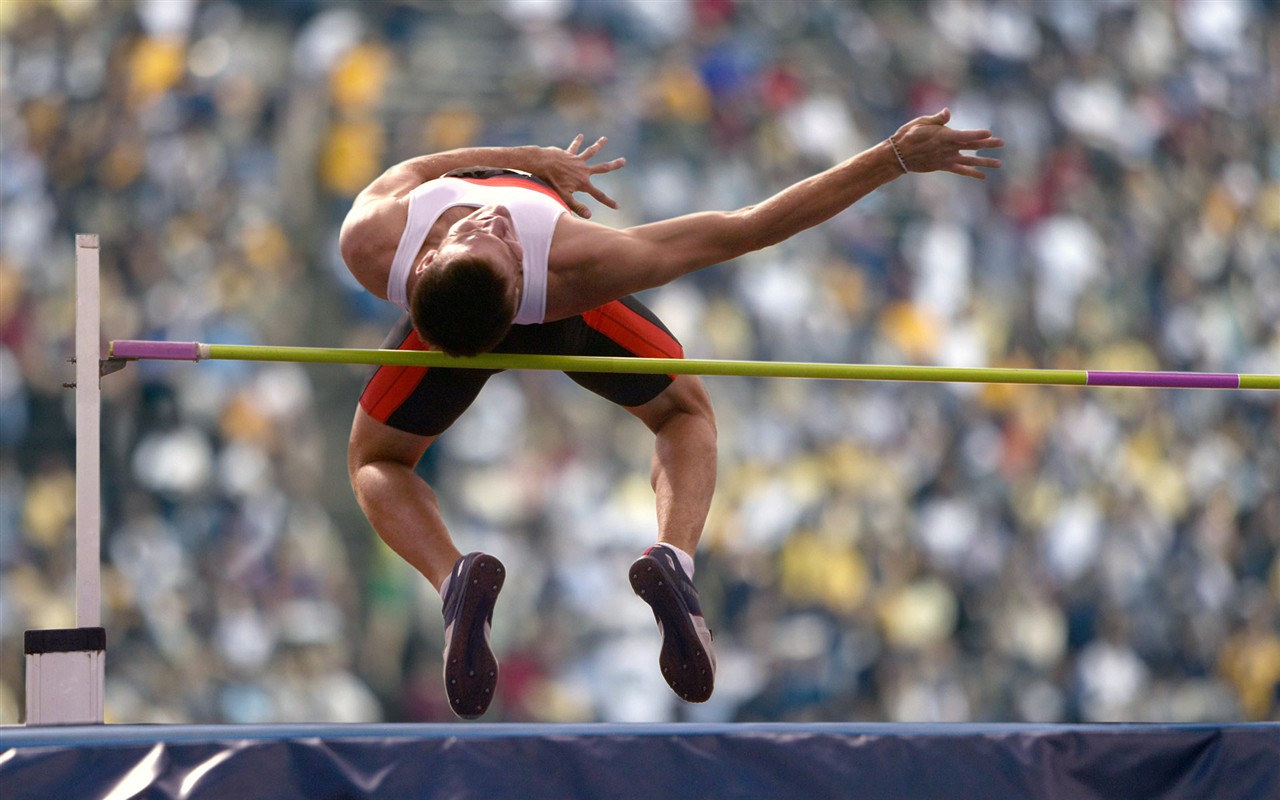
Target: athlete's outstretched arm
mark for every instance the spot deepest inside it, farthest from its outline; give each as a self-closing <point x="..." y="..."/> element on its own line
<point x="598" y="264"/>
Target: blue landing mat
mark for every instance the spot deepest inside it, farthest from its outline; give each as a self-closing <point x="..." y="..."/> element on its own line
<point x="671" y="762"/>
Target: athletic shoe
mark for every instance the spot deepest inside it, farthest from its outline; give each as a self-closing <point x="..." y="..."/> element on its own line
<point x="470" y="668"/>
<point x="688" y="661"/>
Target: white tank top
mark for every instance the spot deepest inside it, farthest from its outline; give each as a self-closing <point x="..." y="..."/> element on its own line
<point x="533" y="209"/>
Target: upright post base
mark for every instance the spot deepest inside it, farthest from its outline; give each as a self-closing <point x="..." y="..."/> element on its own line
<point x="65" y="675"/>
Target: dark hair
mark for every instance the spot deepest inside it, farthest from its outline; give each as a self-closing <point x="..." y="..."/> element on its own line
<point x="462" y="305"/>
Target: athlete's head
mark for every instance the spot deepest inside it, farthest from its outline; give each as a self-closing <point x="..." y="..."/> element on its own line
<point x="468" y="289"/>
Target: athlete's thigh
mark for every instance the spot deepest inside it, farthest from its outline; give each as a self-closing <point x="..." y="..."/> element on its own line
<point x="623" y="328"/>
<point x="423" y="401"/>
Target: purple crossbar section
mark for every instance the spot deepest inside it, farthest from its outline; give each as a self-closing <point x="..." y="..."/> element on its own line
<point x="168" y="351"/>
<point x="1171" y="380"/>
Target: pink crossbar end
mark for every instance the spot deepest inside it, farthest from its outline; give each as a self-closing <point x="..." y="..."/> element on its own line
<point x="166" y="351"/>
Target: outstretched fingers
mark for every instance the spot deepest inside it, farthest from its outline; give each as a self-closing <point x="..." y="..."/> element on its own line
<point x="590" y="152"/>
<point x="985" y="144"/>
<point x="593" y="149"/>
<point x="926" y="144"/>
<point x="608" y="166"/>
<point x="968" y="165"/>
<point x="595" y="192"/>
<point x="585" y="184"/>
<point x="972" y="139"/>
<point x="601" y="169"/>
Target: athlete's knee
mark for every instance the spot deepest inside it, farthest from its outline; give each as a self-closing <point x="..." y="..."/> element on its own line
<point x="357" y="459"/>
<point x="695" y="399"/>
<point x="686" y="400"/>
<point x="377" y="446"/>
<point x="359" y="447"/>
<point x="361" y="465"/>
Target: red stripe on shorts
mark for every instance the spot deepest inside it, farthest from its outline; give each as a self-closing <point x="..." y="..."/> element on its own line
<point x="632" y="331"/>
<point x="390" y="386"/>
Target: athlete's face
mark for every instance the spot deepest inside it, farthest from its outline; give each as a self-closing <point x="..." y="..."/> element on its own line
<point x="487" y="233"/>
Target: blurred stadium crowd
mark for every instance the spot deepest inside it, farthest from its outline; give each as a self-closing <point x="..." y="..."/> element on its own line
<point x="877" y="551"/>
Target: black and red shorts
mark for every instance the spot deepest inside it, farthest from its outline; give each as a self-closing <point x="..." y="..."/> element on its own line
<point x="426" y="400"/>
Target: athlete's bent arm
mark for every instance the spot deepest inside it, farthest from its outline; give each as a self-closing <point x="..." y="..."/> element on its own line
<point x="566" y="170"/>
<point x="371" y="230"/>
<point x="597" y="264"/>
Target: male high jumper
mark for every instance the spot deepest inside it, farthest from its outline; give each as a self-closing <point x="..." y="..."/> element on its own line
<point x="480" y="249"/>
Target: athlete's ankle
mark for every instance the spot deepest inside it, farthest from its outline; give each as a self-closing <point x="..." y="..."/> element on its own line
<point x="685" y="558"/>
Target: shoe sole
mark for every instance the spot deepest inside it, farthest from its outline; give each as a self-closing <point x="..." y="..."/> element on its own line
<point x="684" y="660"/>
<point x="471" y="671"/>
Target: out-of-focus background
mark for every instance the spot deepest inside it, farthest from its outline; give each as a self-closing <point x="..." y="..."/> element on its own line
<point x="877" y="551"/>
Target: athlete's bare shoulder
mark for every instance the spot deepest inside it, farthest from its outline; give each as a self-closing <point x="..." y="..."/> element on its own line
<point x="582" y="266"/>
<point x="369" y="237"/>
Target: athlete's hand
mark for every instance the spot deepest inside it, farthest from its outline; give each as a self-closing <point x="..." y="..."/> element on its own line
<point x="568" y="173"/>
<point x="926" y="144"/>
